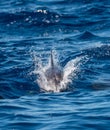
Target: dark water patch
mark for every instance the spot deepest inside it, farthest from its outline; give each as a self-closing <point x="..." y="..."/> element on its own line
<point x="101" y="52"/>
<point x="101" y="86"/>
<point x="39" y="17"/>
<point x="23" y="125"/>
<point x="11" y="108"/>
<point x="1" y="97"/>
<point x="16" y="83"/>
<point x="17" y="89"/>
<point x="92" y="73"/>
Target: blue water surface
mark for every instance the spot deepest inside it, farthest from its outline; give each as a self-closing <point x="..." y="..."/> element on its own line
<point x="74" y="29"/>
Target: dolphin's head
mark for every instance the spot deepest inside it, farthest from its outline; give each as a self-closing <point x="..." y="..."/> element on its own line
<point x="54" y="74"/>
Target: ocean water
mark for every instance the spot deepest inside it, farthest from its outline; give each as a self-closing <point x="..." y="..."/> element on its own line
<point x="78" y="32"/>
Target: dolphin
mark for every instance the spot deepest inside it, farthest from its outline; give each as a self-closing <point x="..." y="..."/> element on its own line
<point x="54" y="74"/>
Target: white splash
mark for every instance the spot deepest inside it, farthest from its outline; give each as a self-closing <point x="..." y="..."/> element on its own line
<point x="68" y="73"/>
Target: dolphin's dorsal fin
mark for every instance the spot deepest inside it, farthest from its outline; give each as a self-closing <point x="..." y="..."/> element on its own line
<point x="52" y="63"/>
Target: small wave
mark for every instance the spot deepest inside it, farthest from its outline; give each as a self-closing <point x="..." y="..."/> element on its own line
<point x="96" y="10"/>
<point x="87" y="36"/>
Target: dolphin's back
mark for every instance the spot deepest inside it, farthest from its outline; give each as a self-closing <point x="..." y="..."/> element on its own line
<point x="54" y="72"/>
